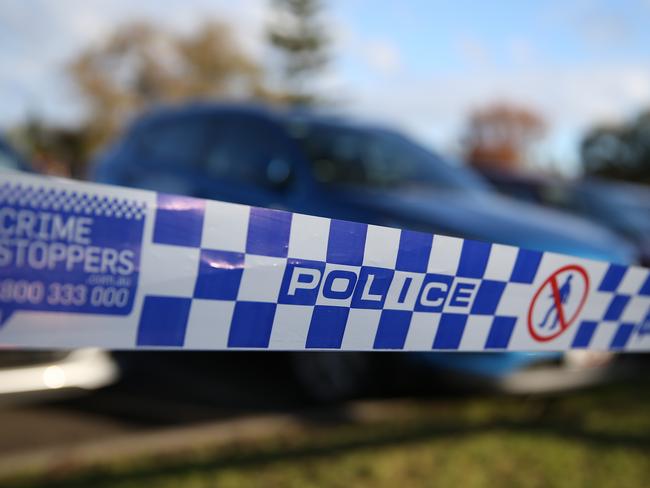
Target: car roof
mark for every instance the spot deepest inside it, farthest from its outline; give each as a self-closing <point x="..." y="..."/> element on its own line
<point x="308" y="116"/>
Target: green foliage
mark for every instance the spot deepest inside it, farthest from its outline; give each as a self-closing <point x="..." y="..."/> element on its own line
<point x="298" y="35"/>
<point x="142" y="64"/>
<point x="621" y="152"/>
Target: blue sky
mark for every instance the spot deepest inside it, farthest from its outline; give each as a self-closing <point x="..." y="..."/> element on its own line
<point x="421" y="65"/>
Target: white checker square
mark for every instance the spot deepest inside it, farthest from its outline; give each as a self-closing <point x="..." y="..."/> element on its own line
<point x="633" y="280"/>
<point x="596" y="271"/>
<point x="596" y="305"/>
<point x="422" y="331"/>
<point x="309" y="237"/>
<point x="290" y="327"/>
<point x="476" y="332"/>
<point x="636" y="310"/>
<point x="337" y="285"/>
<point x="522" y="339"/>
<point x="169" y="270"/>
<point x="382" y="244"/>
<point x="208" y="325"/>
<point x="405" y="286"/>
<point x="261" y="278"/>
<point x="549" y="263"/>
<point x="445" y="255"/>
<point x="603" y="336"/>
<point x="501" y="263"/>
<point x="360" y="329"/>
<point x="515" y="300"/>
<point x="639" y="341"/>
<point x="225" y="226"/>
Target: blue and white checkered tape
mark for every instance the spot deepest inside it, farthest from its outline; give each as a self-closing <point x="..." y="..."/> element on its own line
<point x="92" y="265"/>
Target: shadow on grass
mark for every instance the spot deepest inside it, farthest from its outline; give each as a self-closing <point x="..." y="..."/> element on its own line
<point x="381" y="436"/>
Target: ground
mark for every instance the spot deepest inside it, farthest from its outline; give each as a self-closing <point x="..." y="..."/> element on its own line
<point x="598" y="437"/>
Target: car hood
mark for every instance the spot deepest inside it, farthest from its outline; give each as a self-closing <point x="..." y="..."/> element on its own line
<point x="488" y="217"/>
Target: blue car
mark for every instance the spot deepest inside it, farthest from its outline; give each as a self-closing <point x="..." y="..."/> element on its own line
<point x="621" y="206"/>
<point x="336" y="168"/>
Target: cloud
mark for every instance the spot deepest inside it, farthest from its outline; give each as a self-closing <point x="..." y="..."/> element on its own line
<point x="39" y="37"/>
<point x="571" y="100"/>
<point x="382" y="56"/>
<point x="521" y="51"/>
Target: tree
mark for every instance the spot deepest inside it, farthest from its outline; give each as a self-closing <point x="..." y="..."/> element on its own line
<point x="298" y="36"/>
<point x="53" y="150"/>
<point x="141" y="65"/>
<point x="619" y="151"/>
<point x="501" y="136"/>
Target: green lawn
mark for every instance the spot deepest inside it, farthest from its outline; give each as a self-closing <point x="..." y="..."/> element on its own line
<point x="595" y="438"/>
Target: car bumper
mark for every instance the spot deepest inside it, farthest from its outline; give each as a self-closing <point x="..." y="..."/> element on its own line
<point x="577" y="369"/>
<point x="79" y="370"/>
<point x="524" y="373"/>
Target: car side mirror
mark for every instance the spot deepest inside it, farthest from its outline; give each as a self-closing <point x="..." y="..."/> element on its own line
<point x="278" y="173"/>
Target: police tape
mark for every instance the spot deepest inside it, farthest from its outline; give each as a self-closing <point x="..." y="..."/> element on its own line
<point x="83" y="264"/>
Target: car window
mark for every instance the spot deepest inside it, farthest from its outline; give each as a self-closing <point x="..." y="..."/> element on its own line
<point x="247" y="151"/>
<point x="347" y="156"/>
<point x="174" y="142"/>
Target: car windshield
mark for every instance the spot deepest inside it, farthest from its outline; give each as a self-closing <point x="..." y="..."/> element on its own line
<point x="377" y="158"/>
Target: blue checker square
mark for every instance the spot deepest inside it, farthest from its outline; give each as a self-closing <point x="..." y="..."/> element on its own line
<point x="488" y="297"/>
<point x="450" y="331"/>
<point x="179" y="221"/>
<point x="268" y="232"/>
<point x="645" y="288"/>
<point x="616" y="307"/>
<point x="346" y="243"/>
<point x="372" y="287"/>
<point x="473" y="259"/>
<point x="622" y="336"/>
<point x="327" y="327"/>
<point x="301" y="281"/>
<point x="163" y="321"/>
<point x="612" y="278"/>
<point x="526" y="266"/>
<point x="219" y="276"/>
<point x="584" y="334"/>
<point x="500" y="332"/>
<point x="392" y="329"/>
<point x="414" y="251"/>
<point x="433" y="292"/>
<point x="251" y="324"/>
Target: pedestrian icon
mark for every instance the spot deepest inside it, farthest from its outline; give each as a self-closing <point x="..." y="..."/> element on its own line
<point x="558" y="302"/>
<point x="565" y="291"/>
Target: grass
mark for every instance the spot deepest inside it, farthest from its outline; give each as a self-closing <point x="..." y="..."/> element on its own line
<point x="595" y="438"/>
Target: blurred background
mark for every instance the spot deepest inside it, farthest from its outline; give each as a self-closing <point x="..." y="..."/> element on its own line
<point x="557" y="88"/>
<point x="517" y="123"/>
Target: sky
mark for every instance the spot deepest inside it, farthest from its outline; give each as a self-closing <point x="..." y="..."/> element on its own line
<point x="418" y="65"/>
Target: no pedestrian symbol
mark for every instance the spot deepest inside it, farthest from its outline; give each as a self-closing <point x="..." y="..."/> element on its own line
<point x="558" y="302"/>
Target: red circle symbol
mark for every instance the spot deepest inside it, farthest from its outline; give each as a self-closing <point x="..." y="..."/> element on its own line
<point x="558" y="304"/>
